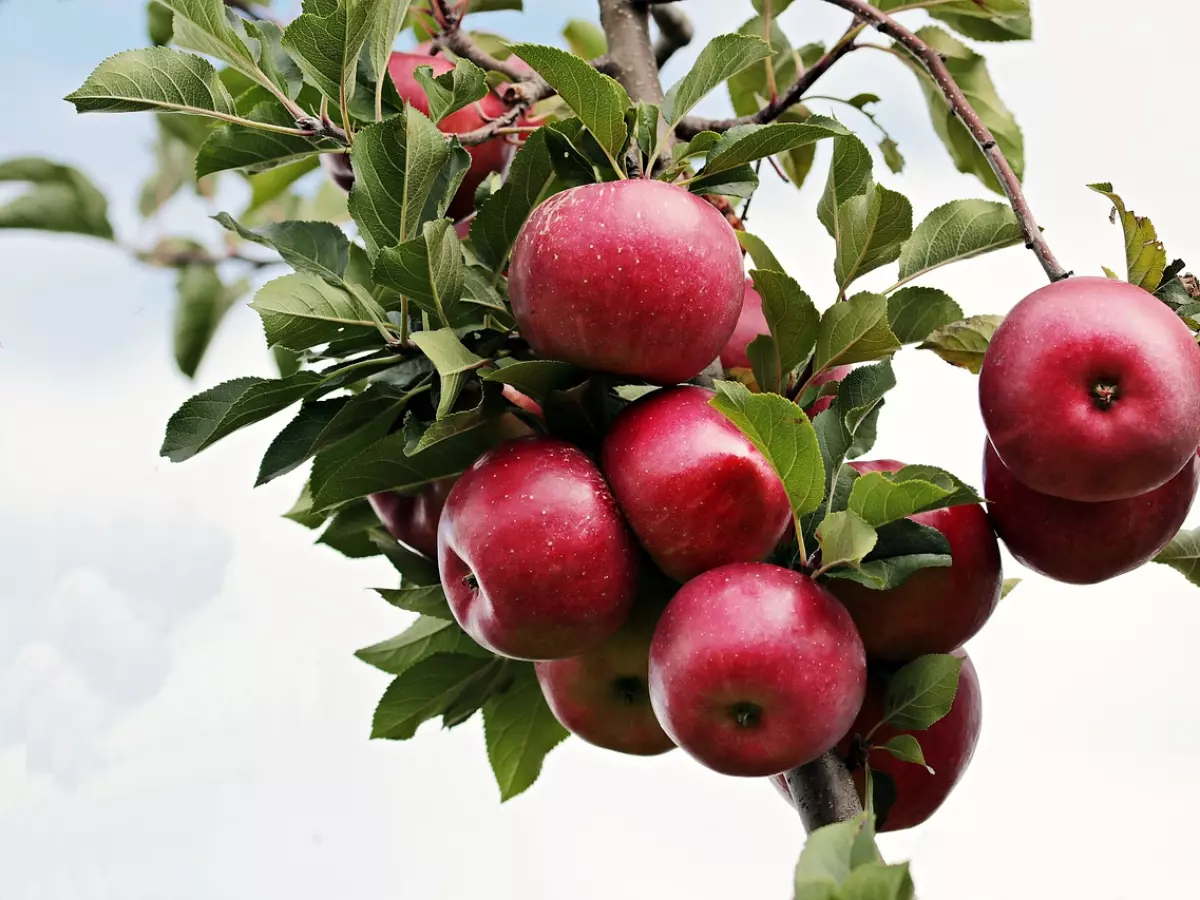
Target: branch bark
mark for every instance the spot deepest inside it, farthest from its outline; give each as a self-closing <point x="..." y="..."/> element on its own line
<point x="823" y="792"/>
<point x="675" y="31"/>
<point x="627" y="26"/>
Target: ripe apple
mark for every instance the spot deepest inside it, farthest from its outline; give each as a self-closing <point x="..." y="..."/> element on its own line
<point x="603" y="696"/>
<point x="934" y="610"/>
<point x="693" y="488"/>
<point x="413" y="519"/>
<point x="836" y="374"/>
<point x="756" y="669"/>
<point x="634" y="277"/>
<point x="1085" y="543"/>
<point x="1090" y="390"/>
<point x="534" y="557"/>
<point x="947" y="746"/>
<point x="751" y="323"/>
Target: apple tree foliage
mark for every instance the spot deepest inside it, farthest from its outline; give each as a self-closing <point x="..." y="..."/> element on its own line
<point x="394" y="336"/>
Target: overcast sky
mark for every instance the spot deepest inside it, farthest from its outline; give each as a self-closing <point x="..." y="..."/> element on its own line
<point x="180" y="713"/>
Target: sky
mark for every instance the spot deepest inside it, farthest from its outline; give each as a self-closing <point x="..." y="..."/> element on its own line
<point x="181" y="715"/>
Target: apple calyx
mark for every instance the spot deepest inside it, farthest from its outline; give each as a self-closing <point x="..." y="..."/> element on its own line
<point x="1106" y="395"/>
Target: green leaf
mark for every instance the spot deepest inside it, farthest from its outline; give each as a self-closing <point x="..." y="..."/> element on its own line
<point x="791" y="316"/>
<point x="906" y="748"/>
<point x="963" y="343"/>
<point x="775" y="6"/>
<point x="645" y="128"/>
<point x="424" y="638"/>
<point x="881" y="497"/>
<point x="300" y="311"/>
<point x="1183" y="555"/>
<point x="156" y="78"/>
<point x="845" y="539"/>
<point x="892" y="156"/>
<point x="878" y="881"/>
<point x="428" y="600"/>
<point x="61" y="199"/>
<point x="739" y="182"/>
<point x="599" y="101"/>
<point x="855" y="330"/>
<point x="871" y="230"/>
<point x="922" y="692"/>
<point x="302" y="512"/>
<point x="386" y="24"/>
<point x="325" y="41"/>
<point x="537" y="377"/>
<point x="298" y="440"/>
<point x="749" y="89"/>
<point x="1007" y="587"/>
<point x="746" y="143"/>
<point x="203" y="302"/>
<point x="904" y="547"/>
<point x="351" y="531"/>
<point x="398" y="168"/>
<point x="797" y="163"/>
<point x="759" y="252"/>
<point x="204" y="26"/>
<point x="723" y="57"/>
<point x="317" y="248"/>
<point x="520" y="730"/>
<point x="832" y="852"/>
<point x="782" y="433"/>
<point x="849" y="176"/>
<point x="423" y="692"/>
<point x="428" y="269"/>
<point x="252" y="149"/>
<point x="451" y="91"/>
<point x="996" y="20"/>
<point x="266" y="40"/>
<point x="586" y="39"/>
<point x="1145" y="256"/>
<point x="530" y="180"/>
<point x="451" y="359"/>
<point x="160" y="24"/>
<point x="211" y="415"/>
<point x="914" y="313"/>
<point x="957" y="231"/>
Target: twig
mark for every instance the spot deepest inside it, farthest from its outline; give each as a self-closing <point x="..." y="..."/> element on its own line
<point x="936" y="66"/>
<point x="823" y="792"/>
<point x="675" y="31"/>
<point x="454" y="39"/>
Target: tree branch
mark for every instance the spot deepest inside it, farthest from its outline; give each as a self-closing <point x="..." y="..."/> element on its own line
<point x="823" y="792"/>
<point x="627" y="26"/>
<point x="675" y="31"/>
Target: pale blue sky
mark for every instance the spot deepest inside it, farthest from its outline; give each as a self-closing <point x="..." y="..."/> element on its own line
<point x="180" y="713"/>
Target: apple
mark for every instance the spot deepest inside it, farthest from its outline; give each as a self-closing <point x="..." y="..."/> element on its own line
<point x="933" y="610"/>
<point x="338" y="167"/>
<point x="756" y="669"/>
<point x="1085" y="543"/>
<point x="836" y="374"/>
<point x="751" y="323"/>
<point x="693" y="488"/>
<point x="632" y="277"/>
<point x="413" y="519"/>
<point x="535" y="559"/>
<point x="522" y="401"/>
<point x="1090" y="390"/>
<point x="947" y="746"/>
<point x="603" y="696"/>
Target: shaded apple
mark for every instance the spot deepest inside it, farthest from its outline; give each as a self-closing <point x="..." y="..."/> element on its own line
<point x="693" y="488"/>
<point x="603" y="696"/>
<point x="1090" y="390"/>
<point x="412" y="519"/>
<point x="633" y="277"/>
<point x="821" y="404"/>
<point x="751" y="323"/>
<point x="756" y="669"/>
<point x="535" y="559"/>
<point x="337" y="166"/>
<point x="1084" y="543"/>
<point x="934" y="610"/>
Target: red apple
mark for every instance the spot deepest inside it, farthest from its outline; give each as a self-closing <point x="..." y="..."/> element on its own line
<point x="756" y="669"/>
<point x="603" y="696"/>
<point x="1090" y="390"/>
<point x="486" y="158"/>
<point x="694" y="489"/>
<point x="634" y="277"/>
<point x="947" y="746"/>
<point x="751" y="323"/>
<point x="534" y="557"/>
<point x="463" y="228"/>
<point x="413" y="519"/>
<point x="522" y="401"/>
<point x="1085" y="543"/>
<point x="934" y="610"/>
<point x="337" y="165"/>
<point x="821" y="404"/>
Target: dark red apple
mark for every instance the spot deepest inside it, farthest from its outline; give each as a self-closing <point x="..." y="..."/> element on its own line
<point x="603" y="696"/>
<point x="934" y="610"/>
<point x="338" y="167"/>
<point x="694" y="489"/>
<point x="756" y="669"/>
<point x="1085" y="543"/>
<point x="634" y="277"/>
<point x="751" y="323"/>
<point x="1090" y="390"/>
<point x="821" y="404"/>
<point x="413" y="519"/>
<point x="535" y="559"/>
<point x="947" y="746"/>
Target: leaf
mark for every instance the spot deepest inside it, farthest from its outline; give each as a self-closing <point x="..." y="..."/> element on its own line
<point x="749" y="89"/>
<point x="645" y="128"/>
<point x="759" y="252"/>
<point x="386" y="24"/>
<point x="297" y="441"/>
<point x="351" y="531"/>
<point x="878" y="881"/>
<point x="428" y="269"/>
<point x="160" y="24"/>
<point x="428" y="600"/>
<point x="266" y="40"/>
<point x="904" y="547"/>
<point x="739" y="182"/>
<point x="61" y="199"/>
<point x="914" y="313"/>
<point x="957" y="231"/>
<point x="849" y="176"/>
<point x="1183" y="555"/>
<point x="325" y="41"/>
<point x="723" y="57"/>
<point x="423" y="692"/>
<point x="907" y="749"/>
<point x="451" y="91"/>
<point x="300" y="311"/>
<point x="586" y="39"/>
<point x="746" y="143"/>
<point x="871" y="230"/>
<point x="211" y="415"/>
<point x="451" y="359"/>
<point x="782" y="433"/>
<point x="204" y="26"/>
<point x="832" y="852"/>
<point x="881" y="497"/>
<point x="424" y="638"/>
<point x="855" y="330"/>
<point x="316" y="248"/>
<point x="1145" y="256"/>
<point x="537" y="377"/>
<point x="791" y="316"/>
<point x="963" y="343"/>
<point x="155" y="78"/>
<point x="1007" y="587"/>
<point x="252" y="149"/>
<point x="891" y="155"/>
<point x="797" y="163"/>
<point x="845" y="539"/>
<point x="922" y="692"/>
<point x="520" y="730"/>
<point x="203" y="302"/>
<point x="398" y="168"/>
<point x="775" y="6"/>
<point x="529" y="181"/>
<point x="599" y="101"/>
